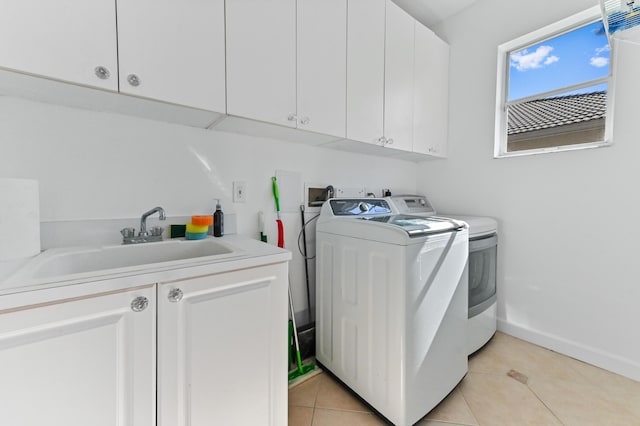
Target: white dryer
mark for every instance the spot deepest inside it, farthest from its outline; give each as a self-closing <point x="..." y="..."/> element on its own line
<point x="483" y="252"/>
<point x="391" y="305"/>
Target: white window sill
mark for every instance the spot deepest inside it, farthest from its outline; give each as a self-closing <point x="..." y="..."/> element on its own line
<point x="576" y="147"/>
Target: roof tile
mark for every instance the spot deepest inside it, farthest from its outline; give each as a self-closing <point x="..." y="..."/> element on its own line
<point x="557" y="111"/>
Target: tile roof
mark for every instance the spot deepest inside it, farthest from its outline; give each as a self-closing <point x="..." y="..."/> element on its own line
<point x="558" y="111"/>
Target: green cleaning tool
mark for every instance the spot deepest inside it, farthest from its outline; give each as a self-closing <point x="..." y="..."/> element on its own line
<point x="263" y="236"/>
<point x="276" y="196"/>
<point x="301" y="369"/>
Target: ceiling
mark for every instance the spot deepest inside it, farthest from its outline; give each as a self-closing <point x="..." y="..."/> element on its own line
<point x="433" y="12"/>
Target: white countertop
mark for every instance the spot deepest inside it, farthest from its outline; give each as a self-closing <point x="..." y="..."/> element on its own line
<point x="19" y="289"/>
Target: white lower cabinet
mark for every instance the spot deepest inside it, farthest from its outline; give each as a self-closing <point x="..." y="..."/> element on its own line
<point x="80" y="362"/>
<point x="219" y="342"/>
<point x="221" y="349"/>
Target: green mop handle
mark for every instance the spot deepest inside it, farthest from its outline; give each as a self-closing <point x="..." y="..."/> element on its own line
<point x="276" y="195"/>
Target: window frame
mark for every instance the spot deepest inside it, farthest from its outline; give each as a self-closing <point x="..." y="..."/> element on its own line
<point x="558" y="28"/>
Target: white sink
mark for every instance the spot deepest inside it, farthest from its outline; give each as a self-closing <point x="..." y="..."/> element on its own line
<point x="79" y="260"/>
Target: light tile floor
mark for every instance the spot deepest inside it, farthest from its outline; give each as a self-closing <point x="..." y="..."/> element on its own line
<point x="557" y="390"/>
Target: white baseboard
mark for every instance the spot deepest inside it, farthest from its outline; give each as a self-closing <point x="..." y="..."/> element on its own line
<point x="588" y="354"/>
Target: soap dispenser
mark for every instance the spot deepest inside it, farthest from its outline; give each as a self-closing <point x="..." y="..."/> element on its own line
<point x="218" y="221"/>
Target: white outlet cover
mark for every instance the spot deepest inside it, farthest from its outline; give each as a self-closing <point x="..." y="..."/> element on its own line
<point x="239" y="192"/>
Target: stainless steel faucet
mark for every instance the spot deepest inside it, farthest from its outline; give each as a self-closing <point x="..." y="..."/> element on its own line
<point x="154" y="234"/>
<point x="143" y="220"/>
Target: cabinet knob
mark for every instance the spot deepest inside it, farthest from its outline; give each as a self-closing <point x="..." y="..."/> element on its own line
<point x="382" y="140"/>
<point x="389" y="142"/>
<point x="102" y="72"/>
<point x="292" y="117"/>
<point x="175" y="295"/>
<point x="305" y="120"/>
<point x="133" y="80"/>
<point x="139" y="304"/>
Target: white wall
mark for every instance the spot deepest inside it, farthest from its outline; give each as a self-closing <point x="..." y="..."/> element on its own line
<point x="93" y="165"/>
<point x="568" y="239"/>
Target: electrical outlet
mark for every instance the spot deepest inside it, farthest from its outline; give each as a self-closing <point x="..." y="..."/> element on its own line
<point x="239" y="192"/>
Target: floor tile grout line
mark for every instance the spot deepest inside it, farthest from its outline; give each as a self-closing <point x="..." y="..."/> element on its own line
<point x="468" y="405"/>
<point x="346" y="411"/>
<point x="545" y="404"/>
<point x="315" y="397"/>
<point x="450" y="423"/>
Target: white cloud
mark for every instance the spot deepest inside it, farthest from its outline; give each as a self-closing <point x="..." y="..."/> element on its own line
<point x="599" y="61"/>
<point x="551" y="59"/>
<point x="525" y="60"/>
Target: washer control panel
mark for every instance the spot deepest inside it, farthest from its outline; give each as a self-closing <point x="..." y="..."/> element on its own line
<point x="359" y="206"/>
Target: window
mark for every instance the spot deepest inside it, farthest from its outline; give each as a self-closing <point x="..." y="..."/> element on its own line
<point x="552" y="88"/>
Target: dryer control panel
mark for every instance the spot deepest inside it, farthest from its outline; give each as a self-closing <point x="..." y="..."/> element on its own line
<point x="412" y="204"/>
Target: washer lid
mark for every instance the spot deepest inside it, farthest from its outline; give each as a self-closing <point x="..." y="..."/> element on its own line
<point x="417" y="226"/>
<point x="390" y="229"/>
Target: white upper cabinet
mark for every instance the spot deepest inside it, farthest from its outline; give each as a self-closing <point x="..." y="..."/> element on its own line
<point x="173" y="51"/>
<point x="69" y="40"/>
<point x="361" y="70"/>
<point x="396" y="79"/>
<point x="167" y="51"/>
<point x="398" y="88"/>
<point x="365" y="70"/>
<point x="286" y="62"/>
<point x="261" y="60"/>
<point x="431" y="87"/>
<point x="321" y="59"/>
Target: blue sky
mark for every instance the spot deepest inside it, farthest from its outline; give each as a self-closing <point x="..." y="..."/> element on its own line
<point x="571" y="58"/>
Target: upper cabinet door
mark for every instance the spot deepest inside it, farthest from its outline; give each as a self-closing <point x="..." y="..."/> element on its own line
<point x="398" y="99"/>
<point x="173" y="51"/>
<point x="69" y="40"/>
<point x="365" y="70"/>
<point x="261" y="60"/>
<point x="431" y="106"/>
<point x="322" y="40"/>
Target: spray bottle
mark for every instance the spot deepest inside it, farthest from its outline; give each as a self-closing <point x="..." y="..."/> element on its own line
<point x="218" y="220"/>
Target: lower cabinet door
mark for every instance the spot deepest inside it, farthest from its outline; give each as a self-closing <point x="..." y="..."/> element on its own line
<point x="81" y="362"/>
<point x="222" y="349"/>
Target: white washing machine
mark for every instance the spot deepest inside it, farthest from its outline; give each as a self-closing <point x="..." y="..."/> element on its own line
<point x="391" y="305"/>
<point x="483" y="252"/>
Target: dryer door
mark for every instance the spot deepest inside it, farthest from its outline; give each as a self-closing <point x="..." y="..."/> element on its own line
<point x="483" y="253"/>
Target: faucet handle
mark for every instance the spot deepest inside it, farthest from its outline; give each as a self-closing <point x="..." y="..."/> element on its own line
<point x="156" y="231"/>
<point x="128" y="232"/>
